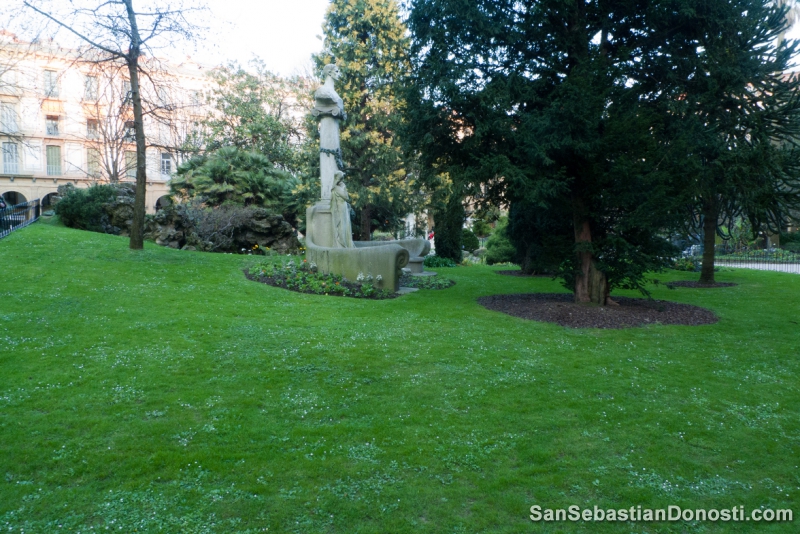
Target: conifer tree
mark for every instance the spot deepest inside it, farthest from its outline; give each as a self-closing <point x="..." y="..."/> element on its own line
<point x="732" y="114"/>
<point x="529" y="101"/>
<point x="369" y="43"/>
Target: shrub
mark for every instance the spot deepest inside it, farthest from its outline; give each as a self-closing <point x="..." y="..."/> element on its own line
<point x="498" y="247"/>
<point x="449" y="222"/>
<point x="469" y="241"/>
<point x="481" y="228"/>
<point x="438" y="261"/>
<point x="426" y="282"/>
<point x="84" y="208"/>
<point x="687" y="263"/>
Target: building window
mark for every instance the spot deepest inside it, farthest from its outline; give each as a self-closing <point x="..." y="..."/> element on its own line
<point x="166" y="165"/>
<point x="163" y="97"/>
<point x="8" y="118"/>
<point x="129" y="135"/>
<point x="51" y="124"/>
<point x="127" y="94"/>
<point x="130" y="164"/>
<point x="92" y="129"/>
<point x="51" y="83"/>
<point x="10" y="158"/>
<point x="93" y="162"/>
<point x="90" y="88"/>
<point x="53" y="160"/>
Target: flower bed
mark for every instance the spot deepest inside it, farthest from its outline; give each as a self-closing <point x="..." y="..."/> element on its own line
<point x="304" y="278"/>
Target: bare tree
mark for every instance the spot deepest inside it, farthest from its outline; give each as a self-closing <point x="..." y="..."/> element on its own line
<point x="115" y="32"/>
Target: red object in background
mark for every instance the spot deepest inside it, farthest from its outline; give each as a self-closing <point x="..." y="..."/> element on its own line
<point x="430" y="236"/>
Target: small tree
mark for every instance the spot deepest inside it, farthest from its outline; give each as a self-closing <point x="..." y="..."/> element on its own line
<point x="257" y="110"/>
<point x="115" y="32"/>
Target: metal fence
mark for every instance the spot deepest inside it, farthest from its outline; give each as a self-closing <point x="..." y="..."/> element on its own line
<point x="774" y="259"/>
<point x="19" y="216"/>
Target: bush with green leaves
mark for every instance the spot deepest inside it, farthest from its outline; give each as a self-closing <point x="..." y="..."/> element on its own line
<point x="686" y="264"/>
<point x="426" y="282"/>
<point x="438" y="261"/>
<point x="84" y="208"/>
<point x="234" y="176"/>
<point x="481" y="228"/>
<point x="499" y="248"/>
<point x="469" y="241"/>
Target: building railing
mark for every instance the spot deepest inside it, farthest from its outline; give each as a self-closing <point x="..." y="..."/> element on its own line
<point x="54" y="170"/>
<point x="19" y="216"/>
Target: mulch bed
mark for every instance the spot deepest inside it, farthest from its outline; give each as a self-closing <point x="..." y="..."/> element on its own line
<point x="521" y="274"/>
<point x="692" y="283"/>
<point x="561" y="309"/>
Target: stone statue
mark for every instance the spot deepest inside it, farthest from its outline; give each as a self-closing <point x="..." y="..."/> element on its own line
<point x="328" y="105"/>
<point x="340" y="213"/>
<point x="329" y="234"/>
<point x="326" y="100"/>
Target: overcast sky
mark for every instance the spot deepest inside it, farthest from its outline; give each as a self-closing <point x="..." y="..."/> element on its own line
<point x="283" y="33"/>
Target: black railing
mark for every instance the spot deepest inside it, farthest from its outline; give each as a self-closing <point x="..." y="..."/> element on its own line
<point x="19" y="216"/>
<point x="785" y="259"/>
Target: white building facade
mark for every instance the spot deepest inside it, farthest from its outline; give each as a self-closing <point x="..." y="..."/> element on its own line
<point x="55" y="121"/>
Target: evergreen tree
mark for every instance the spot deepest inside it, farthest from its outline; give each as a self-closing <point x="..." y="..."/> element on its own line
<point x="732" y="115"/>
<point x="531" y="101"/>
<point x="368" y="42"/>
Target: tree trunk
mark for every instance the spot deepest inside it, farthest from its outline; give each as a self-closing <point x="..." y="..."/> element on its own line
<point x="366" y="223"/>
<point x="710" y="215"/>
<point x="137" y="228"/>
<point x="591" y="284"/>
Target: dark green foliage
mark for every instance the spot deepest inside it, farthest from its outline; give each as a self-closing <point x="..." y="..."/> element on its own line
<point x="541" y="237"/>
<point x="481" y="228"/>
<point x="83" y="208"/>
<point x="438" y="261"/>
<point x="469" y="241"/>
<point x="715" y="71"/>
<point x="499" y="248"/>
<point x="233" y="175"/>
<point x="449" y="223"/>
<point x="530" y="102"/>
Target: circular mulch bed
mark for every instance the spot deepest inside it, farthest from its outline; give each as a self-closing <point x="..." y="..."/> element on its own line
<point x="692" y="283"/>
<point x="521" y="274"/>
<point x="560" y="308"/>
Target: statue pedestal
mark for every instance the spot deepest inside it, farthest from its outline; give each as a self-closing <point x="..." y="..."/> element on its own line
<point x="377" y="258"/>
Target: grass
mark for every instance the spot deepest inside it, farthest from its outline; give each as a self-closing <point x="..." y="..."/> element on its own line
<point x="161" y="391"/>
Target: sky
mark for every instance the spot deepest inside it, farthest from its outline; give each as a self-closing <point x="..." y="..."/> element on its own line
<point x="283" y="33"/>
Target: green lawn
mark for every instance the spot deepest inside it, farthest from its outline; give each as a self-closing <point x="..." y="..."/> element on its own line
<point x="160" y="391"/>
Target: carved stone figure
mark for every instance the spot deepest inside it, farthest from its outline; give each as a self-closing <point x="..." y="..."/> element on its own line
<point x="340" y="213"/>
<point x="326" y="100"/>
